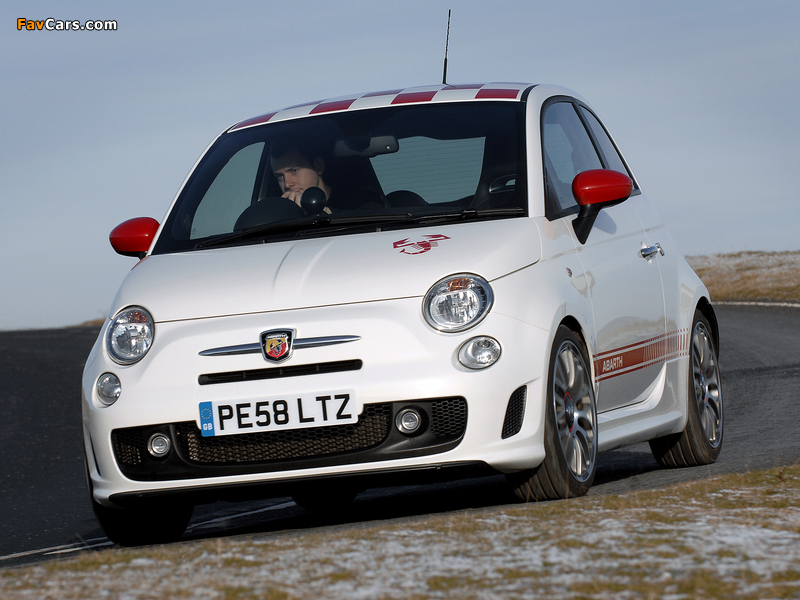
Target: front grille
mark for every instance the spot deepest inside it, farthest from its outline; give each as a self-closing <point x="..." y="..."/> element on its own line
<point x="371" y="429"/>
<point x="514" y="413"/>
<point x="374" y="437"/>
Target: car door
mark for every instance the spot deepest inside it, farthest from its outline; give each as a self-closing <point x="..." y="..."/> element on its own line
<point x="625" y="287"/>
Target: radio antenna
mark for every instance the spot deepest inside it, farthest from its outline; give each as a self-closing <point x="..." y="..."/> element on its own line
<point x="446" y="44"/>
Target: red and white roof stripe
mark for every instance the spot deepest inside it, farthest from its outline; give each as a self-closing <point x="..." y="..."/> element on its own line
<point x="431" y="93"/>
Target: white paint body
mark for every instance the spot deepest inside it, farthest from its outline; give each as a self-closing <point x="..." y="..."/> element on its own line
<point x="362" y="285"/>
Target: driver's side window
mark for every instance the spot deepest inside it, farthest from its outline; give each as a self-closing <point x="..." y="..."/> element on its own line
<point x="567" y="151"/>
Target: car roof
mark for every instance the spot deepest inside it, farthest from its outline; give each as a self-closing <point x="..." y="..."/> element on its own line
<point x="413" y="95"/>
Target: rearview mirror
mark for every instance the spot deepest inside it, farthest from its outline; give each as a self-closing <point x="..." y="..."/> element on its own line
<point x="594" y="190"/>
<point x="366" y="147"/>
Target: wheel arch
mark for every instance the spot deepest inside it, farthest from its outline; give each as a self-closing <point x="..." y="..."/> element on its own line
<point x="572" y="323"/>
<point x="707" y="310"/>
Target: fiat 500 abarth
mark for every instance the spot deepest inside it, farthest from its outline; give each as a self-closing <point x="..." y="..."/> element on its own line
<point x="396" y="287"/>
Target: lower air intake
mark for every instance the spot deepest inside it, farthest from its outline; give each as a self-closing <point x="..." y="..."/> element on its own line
<point x="514" y="412"/>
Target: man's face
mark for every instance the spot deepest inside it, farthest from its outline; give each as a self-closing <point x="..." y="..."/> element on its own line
<point x="295" y="174"/>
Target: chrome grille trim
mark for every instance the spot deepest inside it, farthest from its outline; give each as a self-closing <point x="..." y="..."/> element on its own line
<point x="230" y="350"/>
<point x="298" y="344"/>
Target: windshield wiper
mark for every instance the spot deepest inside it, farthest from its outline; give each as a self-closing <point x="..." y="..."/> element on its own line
<point x="317" y="223"/>
<point x="329" y="223"/>
<point x="470" y="213"/>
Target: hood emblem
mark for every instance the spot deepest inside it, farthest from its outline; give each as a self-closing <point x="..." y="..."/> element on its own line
<point x="429" y="241"/>
<point x="276" y="344"/>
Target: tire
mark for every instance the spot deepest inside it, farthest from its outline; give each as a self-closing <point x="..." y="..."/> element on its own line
<point x="152" y="523"/>
<point x="701" y="441"/>
<point x="570" y="432"/>
<point x="155" y="523"/>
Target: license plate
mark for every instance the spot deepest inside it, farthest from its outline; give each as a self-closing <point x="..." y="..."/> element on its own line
<point x="278" y="413"/>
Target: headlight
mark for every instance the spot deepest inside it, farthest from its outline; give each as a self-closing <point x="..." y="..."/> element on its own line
<point x="457" y="303"/>
<point x="130" y="335"/>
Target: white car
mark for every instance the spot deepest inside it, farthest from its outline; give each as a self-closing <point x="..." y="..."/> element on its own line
<point x="396" y="287"/>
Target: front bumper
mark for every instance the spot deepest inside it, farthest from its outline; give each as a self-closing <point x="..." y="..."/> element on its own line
<point x="491" y="418"/>
<point x="372" y="439"/>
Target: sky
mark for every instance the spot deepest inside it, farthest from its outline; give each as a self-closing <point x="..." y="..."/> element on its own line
<point x="97" y="127"/>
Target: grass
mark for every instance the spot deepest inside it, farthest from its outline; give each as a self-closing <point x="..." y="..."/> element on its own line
<point x="750" y="276"/>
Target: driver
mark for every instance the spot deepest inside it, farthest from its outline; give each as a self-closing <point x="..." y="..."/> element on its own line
<point x="297" y="170"/>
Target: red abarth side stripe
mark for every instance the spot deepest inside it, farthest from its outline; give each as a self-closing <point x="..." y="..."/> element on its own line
<point x="640" y="355"/>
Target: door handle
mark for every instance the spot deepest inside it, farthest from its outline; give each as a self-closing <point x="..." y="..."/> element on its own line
<point x="650" y="251"/>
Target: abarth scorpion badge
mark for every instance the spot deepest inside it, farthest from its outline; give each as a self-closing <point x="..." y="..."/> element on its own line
<point x="276" y="344"/>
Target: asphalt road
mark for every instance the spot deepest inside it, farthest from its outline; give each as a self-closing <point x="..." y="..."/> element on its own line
<point x="44" y="508"/>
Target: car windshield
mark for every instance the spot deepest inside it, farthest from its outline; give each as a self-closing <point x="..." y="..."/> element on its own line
<point x="381" y="168"/>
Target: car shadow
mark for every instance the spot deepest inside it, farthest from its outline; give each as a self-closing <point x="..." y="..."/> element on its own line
<point x="616" y="471"/>
<point x="621" y="466"/>
<point x="383" y="504"/>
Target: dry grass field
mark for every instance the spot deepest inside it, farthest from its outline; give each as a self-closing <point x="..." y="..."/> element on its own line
<point x="750" y="276"/>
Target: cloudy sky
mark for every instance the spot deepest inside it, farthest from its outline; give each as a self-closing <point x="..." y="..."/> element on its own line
<point x="99" y="127"/>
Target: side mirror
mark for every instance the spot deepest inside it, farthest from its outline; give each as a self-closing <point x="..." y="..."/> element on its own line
<point x="594" y="190"/>
<point x="134" y="236"/>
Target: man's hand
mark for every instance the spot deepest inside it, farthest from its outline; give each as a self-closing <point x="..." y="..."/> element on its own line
<point x="293" y="195"/>
<point x="296" y="195"/>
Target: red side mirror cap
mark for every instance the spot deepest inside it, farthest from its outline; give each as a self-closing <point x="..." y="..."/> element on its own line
<point x="134" y="236"/>
<point x="601" y="186"/>
<point x="594" y="190"/>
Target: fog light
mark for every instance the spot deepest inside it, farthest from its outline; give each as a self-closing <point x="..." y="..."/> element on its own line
<point x="158" y="445"/>
<point x="408" y="421"/>
<point x="479" y="352"/>
<point x="108" y="388"/>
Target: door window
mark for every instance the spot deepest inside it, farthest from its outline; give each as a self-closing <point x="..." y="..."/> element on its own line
<point x="613" y="160"/>
<point x="568" y="150"/>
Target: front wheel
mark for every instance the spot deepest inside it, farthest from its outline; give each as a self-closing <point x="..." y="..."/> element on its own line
<point x="701" y="441"/>
<point x="570" y="427"/>
<point x="155" y="523"/>
<point x="152" y="523"/>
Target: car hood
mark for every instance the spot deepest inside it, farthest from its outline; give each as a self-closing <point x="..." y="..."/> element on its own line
<point x="324" y="271"/>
